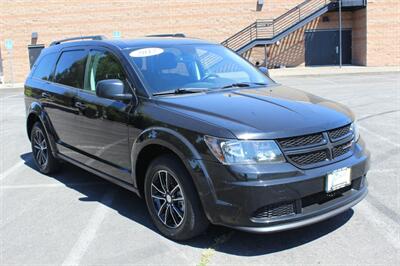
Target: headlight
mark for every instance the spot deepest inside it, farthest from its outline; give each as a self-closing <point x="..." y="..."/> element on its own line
<point x="355" y="130"/>
<point x="230" y="151"/>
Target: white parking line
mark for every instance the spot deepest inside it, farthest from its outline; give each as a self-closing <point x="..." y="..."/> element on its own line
<point x="386" y="227"/>
<point x="11" y="96"/>
<point x="379" y="136"/>
<point x="388" y="170"/>
<point x="89" y="232"/>
<point x="11" y="170"/>
<point x="53" y="185"/>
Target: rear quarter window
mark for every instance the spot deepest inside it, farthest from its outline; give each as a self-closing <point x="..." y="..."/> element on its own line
<point x="45" y="67"/>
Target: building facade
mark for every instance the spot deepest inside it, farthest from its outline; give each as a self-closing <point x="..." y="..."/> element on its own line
<point x="371" y="33"/>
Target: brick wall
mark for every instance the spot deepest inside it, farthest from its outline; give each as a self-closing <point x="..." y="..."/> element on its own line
<point x="214" y="20"/>
<point x="359" y="37"/>
<point x="383" y="33"/>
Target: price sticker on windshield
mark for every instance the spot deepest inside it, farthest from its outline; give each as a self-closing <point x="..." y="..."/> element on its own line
<point x="145" y="52"/>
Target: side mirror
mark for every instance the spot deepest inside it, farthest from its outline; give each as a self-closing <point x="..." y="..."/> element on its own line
<point x="264" y="70"/>
<point x="112" y="89"/>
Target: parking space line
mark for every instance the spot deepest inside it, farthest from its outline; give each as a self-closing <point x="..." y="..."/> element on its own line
<point x="11" y="170"/>
<point x="88" y="234"/>
<point x="387" y="170"/>
<point x="379" y="136"/>
<point x="53" y="185"/>
<point x="378" y="114"/>
<point x="11" y="96"/>
<point x="385" y="226"/>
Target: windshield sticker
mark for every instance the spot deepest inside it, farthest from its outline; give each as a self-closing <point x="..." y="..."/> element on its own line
<point x="145" y="52"/>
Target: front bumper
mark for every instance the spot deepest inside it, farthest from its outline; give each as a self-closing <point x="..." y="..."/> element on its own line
<point x="270" y="198"/>
<point x="303" y="220"/>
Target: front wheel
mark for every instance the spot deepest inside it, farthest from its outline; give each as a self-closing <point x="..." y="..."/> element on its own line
<point x="172" y="200"/>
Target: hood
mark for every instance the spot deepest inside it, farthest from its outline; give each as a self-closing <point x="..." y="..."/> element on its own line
<point x="262" y="113"/>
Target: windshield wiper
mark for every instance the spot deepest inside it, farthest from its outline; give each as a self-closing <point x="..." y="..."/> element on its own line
<point x="244" y="84"/>
<point x="180" y="91"/>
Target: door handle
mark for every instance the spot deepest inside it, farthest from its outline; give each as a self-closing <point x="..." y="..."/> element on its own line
<point x="80" y="105"/>
<point x="45" y="95"/>
<point x="337" y="49"/>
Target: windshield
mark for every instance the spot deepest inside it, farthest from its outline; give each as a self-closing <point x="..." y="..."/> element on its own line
<point x="203" y="66"/>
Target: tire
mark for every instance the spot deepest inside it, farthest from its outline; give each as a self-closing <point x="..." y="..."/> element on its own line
<point x="182" y="216"/>
<point x="41" y="150"/>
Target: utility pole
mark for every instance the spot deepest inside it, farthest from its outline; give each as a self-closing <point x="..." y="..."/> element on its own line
<point x="265" y="56"/>
<point x="340" y="33"/>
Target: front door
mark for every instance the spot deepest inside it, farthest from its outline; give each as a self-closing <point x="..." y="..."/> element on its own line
<point x="322" y="47"/>
<point x="102" y="126"/>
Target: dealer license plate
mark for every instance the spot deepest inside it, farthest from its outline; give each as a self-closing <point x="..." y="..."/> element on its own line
<point x="338" y="179"/>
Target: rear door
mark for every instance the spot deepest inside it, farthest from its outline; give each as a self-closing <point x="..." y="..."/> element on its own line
<point x="102" y="127"/>
<point x="60" y="95"/>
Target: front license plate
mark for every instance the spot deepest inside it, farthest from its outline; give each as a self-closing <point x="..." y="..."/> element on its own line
<point x="338" y="179"/>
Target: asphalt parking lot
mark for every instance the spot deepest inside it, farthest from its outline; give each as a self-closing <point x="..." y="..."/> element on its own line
<point x="75" y="217"/>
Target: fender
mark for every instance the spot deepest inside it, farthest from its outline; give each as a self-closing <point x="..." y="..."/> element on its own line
<point x="37" y="109"/>
<point x="184" y="150"/>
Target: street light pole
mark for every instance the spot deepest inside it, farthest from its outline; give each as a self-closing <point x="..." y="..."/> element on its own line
<point x="340" y="33"/>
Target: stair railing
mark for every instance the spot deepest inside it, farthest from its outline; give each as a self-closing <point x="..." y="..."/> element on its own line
<point x="270" y="28"/>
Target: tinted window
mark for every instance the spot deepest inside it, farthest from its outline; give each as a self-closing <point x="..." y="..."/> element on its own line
<point x="102" y="65"/>
<point x="193" y="66"/>
<point x="71" y="68"/>
<point x="45" y="67"/>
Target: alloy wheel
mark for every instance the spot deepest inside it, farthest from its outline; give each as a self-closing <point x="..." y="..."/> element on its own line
<point x="40" y="150"/>
<point x="168" y="199"/>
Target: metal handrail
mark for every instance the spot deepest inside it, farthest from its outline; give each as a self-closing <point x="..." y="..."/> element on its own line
<point x="270" y="28"/>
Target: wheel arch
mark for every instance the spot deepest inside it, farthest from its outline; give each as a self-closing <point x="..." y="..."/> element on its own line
<point x="156" y="141"/>
<point x="36" y="113"/>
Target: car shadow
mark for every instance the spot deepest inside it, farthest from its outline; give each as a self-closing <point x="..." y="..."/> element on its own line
<point x="220" y="238"/>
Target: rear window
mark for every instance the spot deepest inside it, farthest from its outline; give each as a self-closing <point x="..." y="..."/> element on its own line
<point x="71" y="68"/>
<point x="45" y="67"/>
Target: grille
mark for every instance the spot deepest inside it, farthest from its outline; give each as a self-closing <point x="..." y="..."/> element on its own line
<point x="309" y="158"/>
<point x="300" y="141"/>
<point x="323" y="197"/>
<point x="339" y="132"/>
<point x="316" y="148"/>
<point x="275" y="210"/>
<point x="341" y="149"/>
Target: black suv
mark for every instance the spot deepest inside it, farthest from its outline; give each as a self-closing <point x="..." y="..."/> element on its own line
<point x="197" y="131"/>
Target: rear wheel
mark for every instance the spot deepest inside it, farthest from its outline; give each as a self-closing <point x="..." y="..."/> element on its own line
<point x="172" y="200"/>
<point x="41" y="150"/>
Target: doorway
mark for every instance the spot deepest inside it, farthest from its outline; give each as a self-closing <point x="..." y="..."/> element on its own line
<point x="322" y="47"/>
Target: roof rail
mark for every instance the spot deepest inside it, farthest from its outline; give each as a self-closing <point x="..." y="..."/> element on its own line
<point x="94" y="37"/>
<point x="178" y="35"/>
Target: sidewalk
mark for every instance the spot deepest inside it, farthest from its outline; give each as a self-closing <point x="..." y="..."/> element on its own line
<point x="329" y="70"/>
<point x="11" y="86"/>
<point x="295" y="71"/>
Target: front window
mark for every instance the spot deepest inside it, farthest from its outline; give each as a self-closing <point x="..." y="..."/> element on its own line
<point x="193" y="66"/>
<point x="102" y="65"/>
